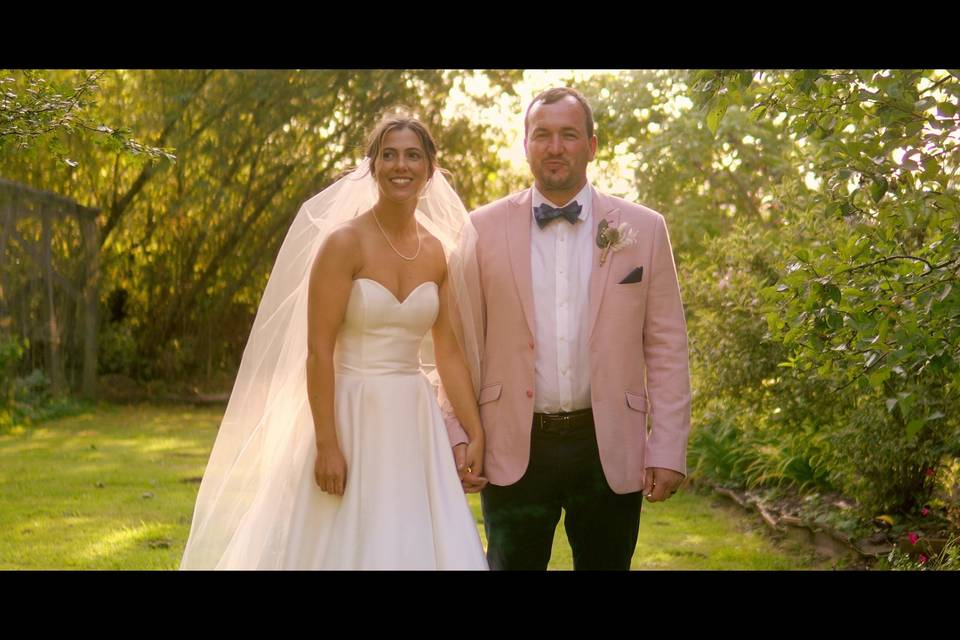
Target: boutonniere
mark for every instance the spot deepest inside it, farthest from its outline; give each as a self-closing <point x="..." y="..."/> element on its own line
<point x="611" y="238"/>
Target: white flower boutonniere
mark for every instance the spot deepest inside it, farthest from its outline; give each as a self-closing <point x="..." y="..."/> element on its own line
<point x="611" y="238"/>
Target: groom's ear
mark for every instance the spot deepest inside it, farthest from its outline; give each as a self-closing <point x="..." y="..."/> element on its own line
<point x="593" y="146"/>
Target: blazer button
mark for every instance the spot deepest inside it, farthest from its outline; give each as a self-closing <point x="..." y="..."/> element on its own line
<point x="529" y="393"/>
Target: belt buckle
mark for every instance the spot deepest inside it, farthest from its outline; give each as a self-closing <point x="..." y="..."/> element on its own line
<point x="558" y="423"/>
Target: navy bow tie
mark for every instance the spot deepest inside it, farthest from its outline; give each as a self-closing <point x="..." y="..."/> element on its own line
<point x="545" y="213"/>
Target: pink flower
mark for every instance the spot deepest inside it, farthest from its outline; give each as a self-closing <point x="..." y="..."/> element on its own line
<point x="930" y="473"/>
<point x="924" y="512"/>
<point x="912" y="537"/>
<point x="923" y="559"/>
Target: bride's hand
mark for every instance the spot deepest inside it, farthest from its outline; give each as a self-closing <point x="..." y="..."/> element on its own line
<point x="330" y="470"/>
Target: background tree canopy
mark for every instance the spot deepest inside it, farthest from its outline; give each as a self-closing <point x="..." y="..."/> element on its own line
<point x="188" y="241"/>
<point x="814" y="214"/>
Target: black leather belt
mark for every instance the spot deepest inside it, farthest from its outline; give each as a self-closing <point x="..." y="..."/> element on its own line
<point x="570" y="422"/>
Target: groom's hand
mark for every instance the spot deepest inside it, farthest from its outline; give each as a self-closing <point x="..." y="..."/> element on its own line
<point x="469" y="468"/>
<point x="660" y="484"/>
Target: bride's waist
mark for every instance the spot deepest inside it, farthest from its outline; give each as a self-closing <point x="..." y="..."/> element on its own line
<point x="384" y="369"/>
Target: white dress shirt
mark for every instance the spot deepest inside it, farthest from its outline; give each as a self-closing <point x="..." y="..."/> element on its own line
<point x="560" y="258"/>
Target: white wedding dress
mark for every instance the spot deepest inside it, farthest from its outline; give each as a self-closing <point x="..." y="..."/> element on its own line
<point x="258" y="506"/>
<point x="403" y="506"/>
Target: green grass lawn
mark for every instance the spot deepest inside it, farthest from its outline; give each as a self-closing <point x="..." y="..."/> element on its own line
<point x="114" y="488"/>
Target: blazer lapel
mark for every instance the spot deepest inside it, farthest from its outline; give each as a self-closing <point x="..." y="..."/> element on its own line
<point x="518" y="244"/>
<point x="602" y="208"/>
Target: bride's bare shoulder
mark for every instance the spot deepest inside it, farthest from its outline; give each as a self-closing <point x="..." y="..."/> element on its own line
<point x="345" y="239"/>
<point x="341" y="249"/>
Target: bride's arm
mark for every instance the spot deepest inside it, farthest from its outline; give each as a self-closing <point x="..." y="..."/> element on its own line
<point x="331" y="279"/>
<point x="456" y="384"/>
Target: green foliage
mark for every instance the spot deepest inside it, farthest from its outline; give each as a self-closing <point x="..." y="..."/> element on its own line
<point x="192" y="242"/>
<point x="704" y="184"/>
<point x="28" y="399"/>
<point x="866" y="300"/>
<point x="948" y="559"/>
<point x="117" y="350"/>
<point x="814" y="216"/>
<point x="886" y="470"/>
<point x="38" y="109"/>
<point x="754" y="425"/>
<point x="11" y="352"/>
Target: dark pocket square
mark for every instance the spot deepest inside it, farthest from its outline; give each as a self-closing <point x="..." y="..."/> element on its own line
<point x="634" y="276"/>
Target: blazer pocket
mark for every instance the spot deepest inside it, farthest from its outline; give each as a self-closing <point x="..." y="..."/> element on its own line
<point x="633" y="277"/>
<point x="637" y="402"/>
<point x="489" y="393"/>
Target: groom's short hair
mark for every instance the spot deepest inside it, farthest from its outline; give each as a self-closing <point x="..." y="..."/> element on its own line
<point x="557" y="94"/>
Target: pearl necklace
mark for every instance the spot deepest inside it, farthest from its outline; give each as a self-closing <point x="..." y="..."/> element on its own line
<point x="387" y="238"/>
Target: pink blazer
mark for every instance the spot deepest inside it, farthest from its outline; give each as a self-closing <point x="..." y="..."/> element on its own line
<point x="639" y="374"/>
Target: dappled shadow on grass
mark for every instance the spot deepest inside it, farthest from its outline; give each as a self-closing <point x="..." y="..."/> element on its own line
<point x="86" y="464"/>
<point x="86" y="542"/>
<point x="112" y="492"/>
<point x="119" y="543"/>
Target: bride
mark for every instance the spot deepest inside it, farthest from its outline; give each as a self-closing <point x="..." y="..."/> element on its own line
<point x="332" y="453"/>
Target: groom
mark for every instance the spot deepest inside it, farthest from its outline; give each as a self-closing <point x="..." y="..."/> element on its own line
<point x="585" y="387"/>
